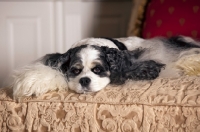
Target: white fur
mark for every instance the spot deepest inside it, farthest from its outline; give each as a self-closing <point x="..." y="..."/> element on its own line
<point x="132" y="42"/>
<point x="37" y="79"/>
<point x="88" y="56"/>
<point x="95" y="41"/>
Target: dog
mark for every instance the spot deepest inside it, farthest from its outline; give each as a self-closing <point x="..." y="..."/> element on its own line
<point x="93" y="63"/>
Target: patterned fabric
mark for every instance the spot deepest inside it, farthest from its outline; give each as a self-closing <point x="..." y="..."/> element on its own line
<point x="137" y="17"/>
<point x="159" y="105"/>
<point x="172" y="17"/>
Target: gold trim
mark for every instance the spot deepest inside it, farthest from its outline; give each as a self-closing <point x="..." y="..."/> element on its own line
<point x="136" y="21"/>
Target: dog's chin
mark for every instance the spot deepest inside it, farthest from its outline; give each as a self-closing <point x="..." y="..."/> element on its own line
<point x="84" y="90"/>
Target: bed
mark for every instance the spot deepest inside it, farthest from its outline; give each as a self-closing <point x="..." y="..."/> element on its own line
<point x="158" y="105"/>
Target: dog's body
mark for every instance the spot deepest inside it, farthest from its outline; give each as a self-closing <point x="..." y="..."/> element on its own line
<point x="91" y="64"/>
<point x="162" y="50"/>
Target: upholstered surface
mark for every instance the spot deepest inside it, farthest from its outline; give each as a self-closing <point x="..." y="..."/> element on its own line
<point x="151" y="18"/>
<point x="171" y="18"/>
<point x="159" y="105"/>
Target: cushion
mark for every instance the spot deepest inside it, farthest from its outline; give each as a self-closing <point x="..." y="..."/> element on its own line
<point x="143" y="106"/>
<point x="171" y="18"/>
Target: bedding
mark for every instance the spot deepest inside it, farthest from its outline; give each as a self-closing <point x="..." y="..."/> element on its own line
<point x="160" y="105"/>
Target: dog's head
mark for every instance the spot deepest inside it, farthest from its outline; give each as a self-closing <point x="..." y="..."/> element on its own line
<point x="85" y="68"/>
<point x="89" y="68"/>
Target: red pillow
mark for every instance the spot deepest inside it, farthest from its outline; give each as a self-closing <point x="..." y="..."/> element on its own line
<point x="171" y="18"/>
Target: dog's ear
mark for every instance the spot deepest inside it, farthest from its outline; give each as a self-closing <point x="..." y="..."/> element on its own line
<point x="143" y="70"/>
<point x="52" y="60"/>
<point x="65" y="60"/>
<point x="127" y="65"/>
<point x="56" y="60"/>
<point x="112" y="57"/>
<point x="115" y="61"/>
<point x="61" y="61"/>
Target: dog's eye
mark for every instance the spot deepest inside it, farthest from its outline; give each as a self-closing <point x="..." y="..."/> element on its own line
<point x="76" y="71"/>
<point x="96" y="70"/>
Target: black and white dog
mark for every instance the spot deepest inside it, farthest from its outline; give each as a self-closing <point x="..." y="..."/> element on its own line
<point x="91" y="64"/>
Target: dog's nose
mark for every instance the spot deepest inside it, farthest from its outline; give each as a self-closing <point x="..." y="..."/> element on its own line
<point x="85" y="81"/>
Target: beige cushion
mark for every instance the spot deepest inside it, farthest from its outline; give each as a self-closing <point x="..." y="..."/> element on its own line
<point x="159" y="105"/>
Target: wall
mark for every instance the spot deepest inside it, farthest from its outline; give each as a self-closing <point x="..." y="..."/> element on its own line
<point x="31" y="29"/>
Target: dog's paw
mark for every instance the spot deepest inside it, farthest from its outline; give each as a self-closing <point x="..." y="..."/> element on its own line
<point x="145" y="70"/>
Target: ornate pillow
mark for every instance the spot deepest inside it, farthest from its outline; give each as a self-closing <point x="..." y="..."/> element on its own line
<point x="172" y="17"/>
<point x="166" y="18"/>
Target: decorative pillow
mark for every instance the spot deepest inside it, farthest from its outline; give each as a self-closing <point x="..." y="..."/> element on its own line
<point x="172" y="17"/>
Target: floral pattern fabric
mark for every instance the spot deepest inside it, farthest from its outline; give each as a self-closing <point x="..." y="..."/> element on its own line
<point x="159" y="105"/>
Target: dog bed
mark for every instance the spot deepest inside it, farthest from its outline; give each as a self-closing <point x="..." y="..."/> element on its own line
<point x="142" y="106"/>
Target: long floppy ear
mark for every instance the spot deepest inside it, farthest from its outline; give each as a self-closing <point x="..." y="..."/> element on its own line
<point x="65" y="60"/>
<point x="127" y="65"/>
<point x="52" y="60"/>
<point x="61" y="61"/>
<point x="117" y="62"/>
<point x="143" y="70"/>
<point x="56" y="60"/>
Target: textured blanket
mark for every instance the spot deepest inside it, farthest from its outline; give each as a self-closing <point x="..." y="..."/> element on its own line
<point x="161" y="105"/>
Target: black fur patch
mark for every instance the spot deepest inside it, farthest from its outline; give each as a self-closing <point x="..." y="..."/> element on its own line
<point x="70" y="57"/>
<point x="178" y="43"/>
<point x="144" y="70"/>
<point x="126" y="65"/>
<point x="52" y="60"/>
<point x="120" y="45"/>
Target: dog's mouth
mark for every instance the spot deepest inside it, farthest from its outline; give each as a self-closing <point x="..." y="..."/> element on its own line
<point x="86" y="90"/>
